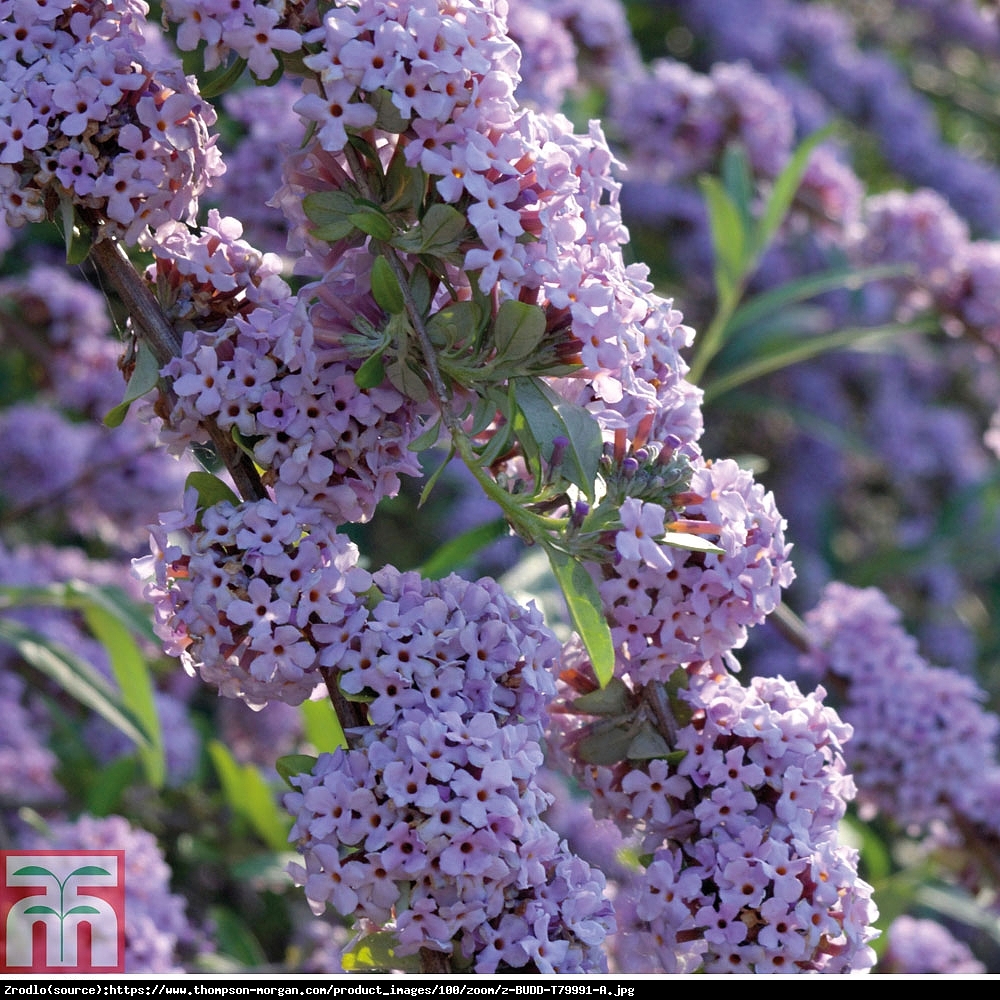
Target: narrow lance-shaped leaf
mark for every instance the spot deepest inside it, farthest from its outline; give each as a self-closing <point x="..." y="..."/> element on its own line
<point x="729" y="238"/>
<point x="584" y="604"/>
<point x="134" y="681"/>
<point x="74" y="675"/>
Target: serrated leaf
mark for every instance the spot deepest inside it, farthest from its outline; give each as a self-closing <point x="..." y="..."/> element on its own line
<point x="294" y="764"/>
<point x="585" y="611"/>
<point x="517" y="330"/>
<point x="615" y="699"/>
<point x="690" y="543"/>
<point x="548" y="416"/>
<point x="376" y="951"/>
<point x="144" y="378"/>
<point x="211" y="490"/>
<point x="385" y="287"/>
<point x="322" y="726"/>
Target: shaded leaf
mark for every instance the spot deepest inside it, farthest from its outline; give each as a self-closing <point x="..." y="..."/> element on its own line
<point x="75" y="675"/>
<point x="456" y="552"/>
<point x="614" y="699"/>
<point x="606" y="744"/>
<point x="144" y="378"/>
<point x="250" y="797"/>
<point x="548" y="416"/>
<point x="517" y="330"/>
<point x="330" y="212"/>
<point x="372" y="371"/>
<point x="211" y="490"/>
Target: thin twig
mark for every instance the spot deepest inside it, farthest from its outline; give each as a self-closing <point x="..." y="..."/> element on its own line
<point x="156" y="331"/>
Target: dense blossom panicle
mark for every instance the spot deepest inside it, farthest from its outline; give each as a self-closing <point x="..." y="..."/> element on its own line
<point x="27" y="765"/>
<point x="922" y="947"/>
<point x="746" y="871"/>
<point x="668" y="606"/>
<point x="431" y="822"/>
<point x="254" y="599"/>
<point x="277" y="373"/>
<point x="159" y="936"/>
<point x="924" y="750"/>
<point x="90" y="120"/>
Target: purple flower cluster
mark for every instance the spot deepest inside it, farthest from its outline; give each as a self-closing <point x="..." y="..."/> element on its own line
<point x="159" y="936"/>
<point x="744" y="872"/>
<point x="254" y="599"/>
<point x="430" y="821"/>
<point x="89" y="120"/>
<point x="668" y="606"/>
<point x="924" y="750"/>
<point x="925" y="947"/>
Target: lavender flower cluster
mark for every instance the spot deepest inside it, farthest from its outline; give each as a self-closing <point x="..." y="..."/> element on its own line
<point x="743" y="869"/>
<point x="925" y="751"/>
<point x="98" y="117"/>
<point x="431" y="823"/>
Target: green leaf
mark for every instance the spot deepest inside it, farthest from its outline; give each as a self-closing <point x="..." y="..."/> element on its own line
<point x="787" y="353"/>
<point x="233" y="936"/>
<point x="768" y="303"/>
<point x="372" y="371"/>
<point x="389" y="118"/>
<point x="83" y="908"/>
<point x="385" y="287"/>
<point x="455" y="323"/>
<point x="322" y="727"/>
<point x="211" y="490"/>
<point x="74" y="675"/>
<point x="785" y="187"/>
<point x="111" y="781"/>
<point x="647" y="744"/>
<point x="439" y="232"/>
<point x="547" y="416"/>
<point x="428" y="437"/>
<point x="615" y="699"/>
<point x="408" y="379"/>
<point x="76" y="235"/>
<point x="372" y="221"/>
<point x="738" y="181"/>
<point x="40" y="909"/>
<point x="606" y="744"/>
<point x="294" y="764"/>
<point x="690" y="543"/>
<point x="585" y="611"/>
<point x="134" y="680"/>
<point x="729" y="238"/>
<point x="420" y="289"/>
<point x="144" y="378"/>
<point x="330" y="212"/>
<point x="456" y="552"/>
<point x="517" y="330"/>
<point x="223" y="80"/>
<point x="376" y="952"/>
<point x="250" y="797"/>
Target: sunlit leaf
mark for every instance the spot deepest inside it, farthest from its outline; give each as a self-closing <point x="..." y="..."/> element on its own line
<point x="249" y="796"/>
